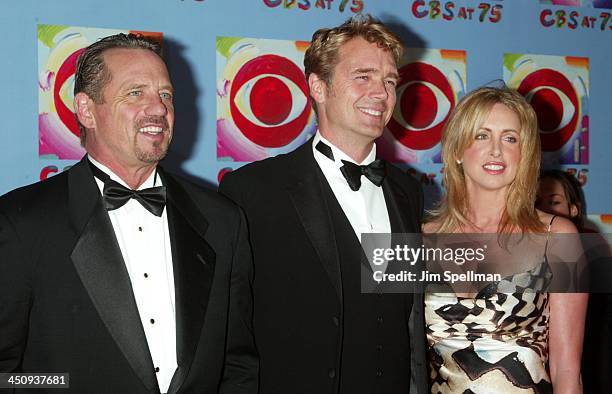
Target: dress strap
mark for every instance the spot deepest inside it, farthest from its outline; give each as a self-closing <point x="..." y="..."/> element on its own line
<point x="548" y="235"/>
<point x="550" y="223"/>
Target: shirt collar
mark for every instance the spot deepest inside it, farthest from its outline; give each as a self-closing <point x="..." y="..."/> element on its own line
<point x="151" y="181"/>
<point x="340" y="155"/>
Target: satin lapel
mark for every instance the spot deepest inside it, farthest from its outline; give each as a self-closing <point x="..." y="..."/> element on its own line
<point x="98" y="261"/>
<point x="309" y="202"/>
<point x="193" y="260"/>
<point x="398" y="206"/>
<point x="400" y="211"/>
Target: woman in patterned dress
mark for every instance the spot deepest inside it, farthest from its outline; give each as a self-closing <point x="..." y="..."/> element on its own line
<point x="494" y="341"/>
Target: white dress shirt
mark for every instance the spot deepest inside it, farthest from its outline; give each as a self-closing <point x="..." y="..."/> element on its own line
<point x="365" y="208"/>
<point x="145" y="245"/>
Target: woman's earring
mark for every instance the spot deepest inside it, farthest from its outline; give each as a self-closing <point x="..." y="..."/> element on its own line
<point x="460" y="162"/>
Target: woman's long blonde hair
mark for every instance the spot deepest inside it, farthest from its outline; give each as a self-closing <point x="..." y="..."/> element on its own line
<point x="459" y="133"/>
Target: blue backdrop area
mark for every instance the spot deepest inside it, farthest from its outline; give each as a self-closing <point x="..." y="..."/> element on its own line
<point x="191" y="28"/>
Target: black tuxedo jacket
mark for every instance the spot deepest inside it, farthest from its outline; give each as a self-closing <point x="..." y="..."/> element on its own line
<point x="303" y="308"/>
<point x="66" y="301"/>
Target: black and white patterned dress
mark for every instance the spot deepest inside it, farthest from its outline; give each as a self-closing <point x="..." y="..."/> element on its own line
<point x="495" y="342"/>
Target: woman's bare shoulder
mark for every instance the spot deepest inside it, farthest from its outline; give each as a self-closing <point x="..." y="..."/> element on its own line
<point x="431" y="227"/>
<point x="559" y="225"/>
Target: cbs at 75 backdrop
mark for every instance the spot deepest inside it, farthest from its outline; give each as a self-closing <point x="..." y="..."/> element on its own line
<point x="241" y="94"/>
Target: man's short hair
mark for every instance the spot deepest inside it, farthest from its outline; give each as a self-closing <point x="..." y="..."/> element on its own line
<point x="92" y="75"/>
<point x="322" y="55"/>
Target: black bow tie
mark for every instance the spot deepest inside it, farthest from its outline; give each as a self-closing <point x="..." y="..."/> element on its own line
<point x="375" y="171"/>
<point x="115" y="195"/>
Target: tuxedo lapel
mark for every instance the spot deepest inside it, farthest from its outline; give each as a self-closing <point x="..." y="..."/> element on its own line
<point x="98" y="261"/>
<point x="398" y="205"/>
<point x="307" y="196"/>
<point x="193" y="260"/>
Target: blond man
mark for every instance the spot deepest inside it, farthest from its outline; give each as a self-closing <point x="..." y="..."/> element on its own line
<point x="315" y="330"/>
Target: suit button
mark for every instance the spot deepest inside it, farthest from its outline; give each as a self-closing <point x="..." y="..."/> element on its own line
<point x="379" y="319"/>
<point x="331" y="373"/>
<point x="336" y="321"/>
<point x="379" y="347"/>
<point x="379" y="373"/>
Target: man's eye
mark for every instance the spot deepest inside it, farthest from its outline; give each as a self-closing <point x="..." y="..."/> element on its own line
<point x="363" y="77"/>
<point x="135" y="93"/>
<point x="391" y="83"/>
<point x="165" y="96"/>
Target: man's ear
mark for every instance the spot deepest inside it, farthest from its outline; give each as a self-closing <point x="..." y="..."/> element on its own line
<point x="318" y="88"/>
<point x="83" y="106"/>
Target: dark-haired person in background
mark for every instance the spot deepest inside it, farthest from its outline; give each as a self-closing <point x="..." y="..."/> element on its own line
<point x="560" y="193"/>
<point x="126" y="277"/>
<point x="314" y="329"/>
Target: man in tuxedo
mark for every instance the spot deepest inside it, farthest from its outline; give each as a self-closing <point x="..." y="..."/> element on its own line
<point x="314" y="329"/>
<point x="126" y="277"/>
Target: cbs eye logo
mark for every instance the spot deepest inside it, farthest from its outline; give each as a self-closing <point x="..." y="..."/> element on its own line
<point x="263" y="105"/>
<point x="64" y="74"/>
<point x="556" y="104"/>
<point x="58" y="50"/>
<point x="557" y="89"/>
<point x="429" y="87"/>
<point x="269" y="101"/>
<point x="425" y="100"/>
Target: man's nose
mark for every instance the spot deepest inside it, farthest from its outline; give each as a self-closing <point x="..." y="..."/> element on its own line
<point x="380" y="90"/>
<point x="156" y="106"/>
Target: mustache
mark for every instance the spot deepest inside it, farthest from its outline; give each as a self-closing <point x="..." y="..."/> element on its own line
<point x="153" y="120"/>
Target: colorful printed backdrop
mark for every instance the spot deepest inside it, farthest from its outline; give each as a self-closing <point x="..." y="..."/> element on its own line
<point x="580" y="3"/>
<point x="263" y="106"/>
<point x="431" y="83"/>
<point x="241" y="95"/>
<point x="558" y="89"/>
